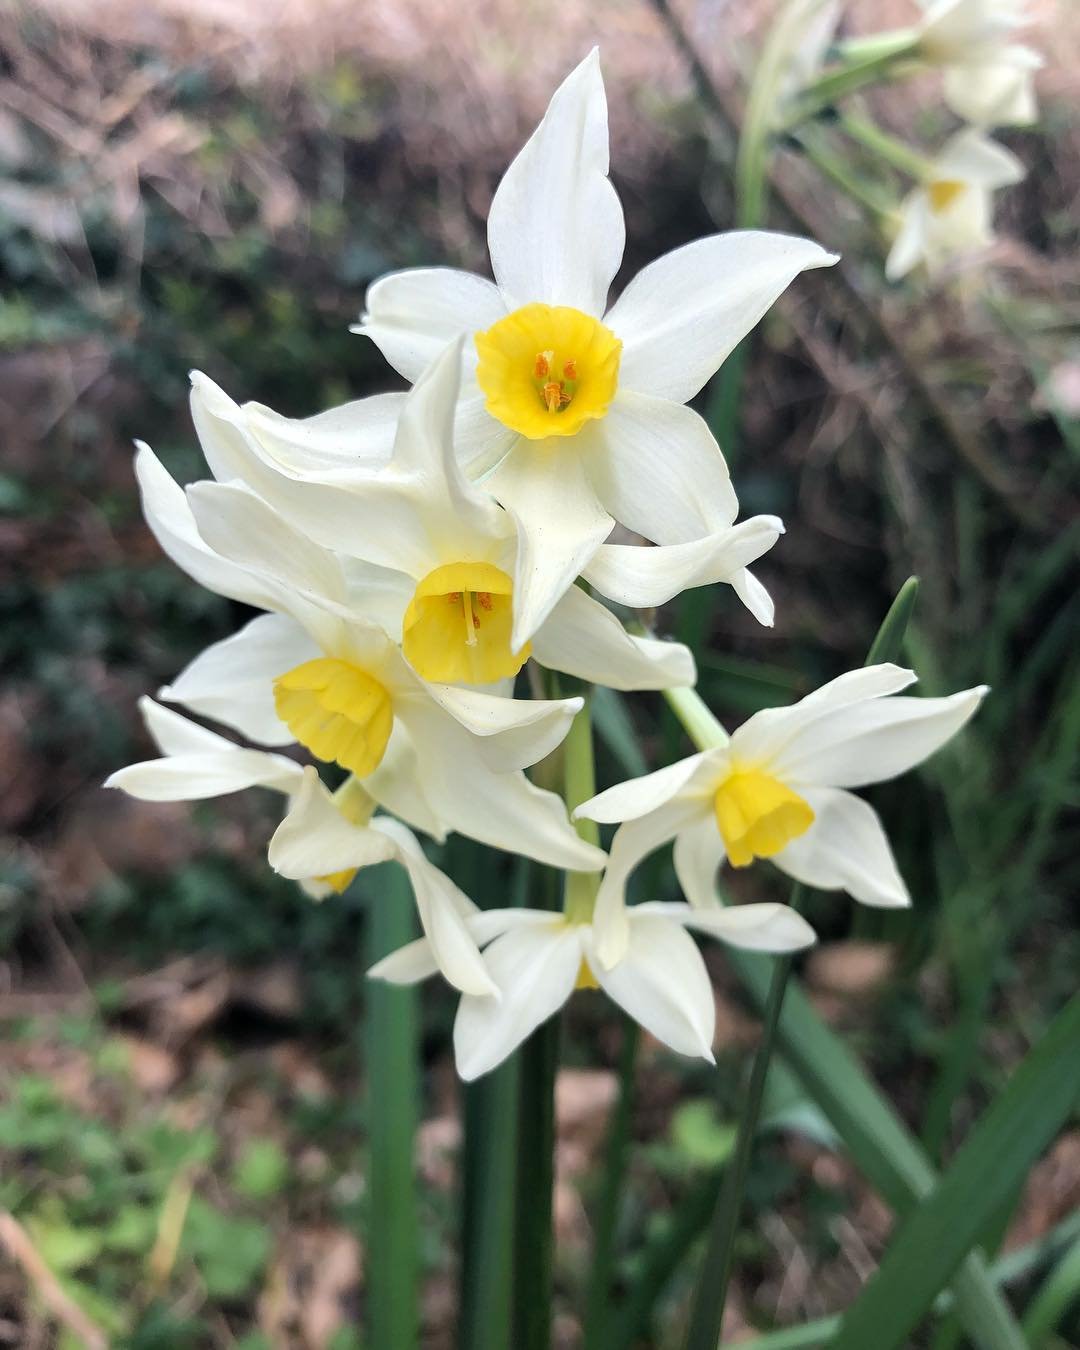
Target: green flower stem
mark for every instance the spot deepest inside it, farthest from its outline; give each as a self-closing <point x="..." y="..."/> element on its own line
<point x="533" y="1246"/>
<point x="707" y="1312"/>
<point x="392" y="1062"/>
<point x="886" y="146"/>
<point x="697" y="721"/>
<point x="489" y="1158"/>
<point x="817" y="151"/>
<point x="579" y="784"/>
<point x="617" y="1146"/>
<point x="890" y="56"/>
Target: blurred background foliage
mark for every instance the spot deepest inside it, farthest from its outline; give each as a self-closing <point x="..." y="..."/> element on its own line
<point x="213" y="187"/>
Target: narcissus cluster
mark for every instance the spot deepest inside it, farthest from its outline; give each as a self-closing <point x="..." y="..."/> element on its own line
<point x="421" y="561"/>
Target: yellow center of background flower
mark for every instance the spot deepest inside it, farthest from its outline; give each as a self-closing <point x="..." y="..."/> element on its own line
<point x="943" y="193"/>
<point x="758" y="816"/>
<point x="340" y="712"/>
<point x="456" y="629"/>
<point x="545" y="370"/>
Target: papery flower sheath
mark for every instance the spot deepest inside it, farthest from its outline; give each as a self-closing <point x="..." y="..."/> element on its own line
<point x="442" y="554"/>
<point x="324" y="838"/>
<point x="572" y="412"/>
<point x="989" y="78"/>
<point x="951" y="212"/>
<point x="537" y="959"/>
<point x="316" y="670"/>
<point x="778" y="790"/>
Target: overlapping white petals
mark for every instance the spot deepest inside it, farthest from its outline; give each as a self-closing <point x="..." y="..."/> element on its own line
<point x="197" y="763"/>
<point x="582" y="637"/>
<point x="412" y="315"/>
<point x="988" y="77"/>
<point x="682" y="315"/>
<point x="315" y="839"/>
<point x="657" y="469"/>
<point x="845" y="849"/>
<point x="645" y="577"/>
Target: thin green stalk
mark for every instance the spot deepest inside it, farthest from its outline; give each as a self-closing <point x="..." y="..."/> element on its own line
<point x="885" y="146"/>
<point x="890" y="56"/>
<point x="391" y="1043"/>
<point x="533" y="1254"/>
<point x="579" y="784"/>
<point x="833" y="167"/>
<point x="707" y="1312"/>
<point x="617" y="1145"/>
<point x="489" y="1158"/>
<point x="698" y="722"/>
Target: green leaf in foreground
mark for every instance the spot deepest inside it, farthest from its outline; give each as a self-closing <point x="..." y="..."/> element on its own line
<point x="984" y="1175"/>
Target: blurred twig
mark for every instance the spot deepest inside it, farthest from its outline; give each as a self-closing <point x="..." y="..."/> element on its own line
<point x="15" y="1238"/>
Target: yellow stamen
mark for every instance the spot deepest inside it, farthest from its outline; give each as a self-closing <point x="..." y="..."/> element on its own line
<point x="519" y="360"/>
<point x="471" y="598"/>
<point x="340" y="712"/>
<point x="758" y="816"/>
<point x="943" y="193"/>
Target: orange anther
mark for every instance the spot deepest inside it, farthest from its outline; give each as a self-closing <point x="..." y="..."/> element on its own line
<point x="484" y="598"/>
<point x="543" y="364"/>
<point x="554" y="396"/>
<point x="569" y="370"/>
<point x="454" y="597"/>
<point x="476" y="620"/>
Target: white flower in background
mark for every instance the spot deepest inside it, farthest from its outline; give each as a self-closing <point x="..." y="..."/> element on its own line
<point x="323" y="840"/>
<point x="777" y="790"/>
<point x="951" y="212"/>
<point x="989" y="79"/>
<point x="442" y="555"/>
<point x="315" y="671"/>
<point x="571" y="412"/>
<point x="537" y="959"/>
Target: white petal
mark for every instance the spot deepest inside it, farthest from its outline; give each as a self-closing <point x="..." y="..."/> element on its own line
<point x="638" y="796"/>
<point x="408" y="965"/>
<point x="398" y="786"/>
<point x="582" y="637"/>
<point x="658" y="470"/>
<point x="633" y="841"/>
<point x="482" y="442"/>
<point x="175" y="734"/>
<point x="909" y="248"/>
<point x="444" y="910"/>
<point x="412" y="315"/>
<point x="845" y="848"/>
<point x="560" y="524"/>
<point x="314" y="839"/>
<point x="872" y="741"/>
<point x="971" y="157"/>
<point x="755" y="928"/>
<point x="240" y="526"/>
<point x="189" y="778"/>
<point x="555" y="229"/>
<point x="356" y="435"/>
<point x="169" y="517"/>
<point x="512" y="733"/>
<point x="662" y="983"/>
<point x="232" y="680"/>
<point x="699" y="851"/>
<point x="645" y="577"/>
<point x="754" y="596"/>
<point x="535" y="968"/>
<point x="681" y="316"/>
<point x="504" y="810"/>
<point x="764" y="735"/>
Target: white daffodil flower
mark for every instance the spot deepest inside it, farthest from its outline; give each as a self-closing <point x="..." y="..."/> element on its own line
<point x="325" y="837"/>
<point x="777" y="790"/>
<point x="951" y="212"/>
<point x="989" y="79"/>
<point x="442" y="555"/>
<point x="537" y="959"/>
<point x="315" y="672"/>
<point x="573" y="413"/>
